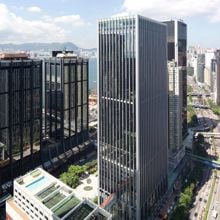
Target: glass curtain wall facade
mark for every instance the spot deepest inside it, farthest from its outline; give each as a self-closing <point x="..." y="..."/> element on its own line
<point x="176" y="151"/>
<point x="20" y="117"/>
<point x="66" y="104"/>
<point x="177" y="52"/>
<point x="132" y="96"/>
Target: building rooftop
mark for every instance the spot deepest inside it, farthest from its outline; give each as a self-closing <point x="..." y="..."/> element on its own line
<point x="12" y="56"/>
<point x="66" y="55"/>
<point x="17" y="209"/>
<point x="58" y="197"/>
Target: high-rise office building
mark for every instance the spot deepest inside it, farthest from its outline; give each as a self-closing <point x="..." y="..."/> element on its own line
<point x="175" y="106"/>
<point x="66" y="104"/>
<point x="200" y="68"/>
<point x="177" y="52"/>
<point x="176" y="151"/>
<point x="213" y="75"/>
<point x="210" y="72"/>
<point x="133" y="115"/>
<point x="217" y="81"/>
<point x="20" y="114"/>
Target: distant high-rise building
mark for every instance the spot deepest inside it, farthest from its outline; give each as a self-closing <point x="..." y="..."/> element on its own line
<point x="213" y="75"/>
<point x="209" y="72"/>
<point x="133" y="115"/>
<point x="20" y="114"/>
<point x="200" y="68"/>
<point x="217" y="81"/>
<point x="66" y="104"/>
<point x="176" y="150"/>
<point x="177" y="49"/>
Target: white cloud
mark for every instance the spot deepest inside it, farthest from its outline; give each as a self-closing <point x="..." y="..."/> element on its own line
<point x="215" y="17"/>
<point x="15" y="29"/>
<point x="121" y="14"/>
<point x="73" y="20"/>
<point x="34" y="9"/>
<point x="166" y="9"/>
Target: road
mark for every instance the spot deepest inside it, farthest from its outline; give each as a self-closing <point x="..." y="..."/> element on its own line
<point x="199" y="205"/>
<point x="215" y="202"/>
<point x="206" y="118"/>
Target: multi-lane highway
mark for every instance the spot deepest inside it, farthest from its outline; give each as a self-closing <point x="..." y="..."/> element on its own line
<point x="207" y="120"/>
<point x="199" y="205"/>
<point x="215" y="202"/>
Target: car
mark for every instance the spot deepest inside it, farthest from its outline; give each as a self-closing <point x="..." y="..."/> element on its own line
<point x="200" y="199"/>
<point x="214" y="214"/>
<point x="195" y="214"/>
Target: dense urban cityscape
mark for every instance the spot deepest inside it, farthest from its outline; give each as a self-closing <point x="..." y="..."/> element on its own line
<point x="129" y="129"/>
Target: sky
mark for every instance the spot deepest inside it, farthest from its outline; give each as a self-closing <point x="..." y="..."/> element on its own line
<point x="75" y="21"/>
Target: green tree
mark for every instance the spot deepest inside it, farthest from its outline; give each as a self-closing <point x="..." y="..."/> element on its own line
<point x="95" y="200"/>
<point x="184" y="199"/>
<point x="179" y="213"/>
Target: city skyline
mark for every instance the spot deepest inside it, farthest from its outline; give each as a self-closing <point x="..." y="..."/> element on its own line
<point x="35" y="21"/>
<point x="144" y="144"/>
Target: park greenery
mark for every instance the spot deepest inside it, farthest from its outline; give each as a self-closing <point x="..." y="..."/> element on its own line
<point x="191" y="117"/>
<point x="214" y="107"/>
<point x="181" y="212"/>
<point x="75" y="173"/>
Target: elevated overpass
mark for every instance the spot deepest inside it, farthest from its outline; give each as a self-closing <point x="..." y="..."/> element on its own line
<point x="198" y="94"/>
<point x="199" y="106"/>
<point x="212" y="163"/>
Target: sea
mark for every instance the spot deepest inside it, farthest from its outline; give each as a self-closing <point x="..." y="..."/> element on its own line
<point x="93" y="74"/>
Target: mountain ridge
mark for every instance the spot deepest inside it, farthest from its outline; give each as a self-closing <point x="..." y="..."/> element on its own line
<point x="39" y="46"/>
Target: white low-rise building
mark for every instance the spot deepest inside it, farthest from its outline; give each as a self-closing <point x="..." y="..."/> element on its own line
<point x="38" y="195"/>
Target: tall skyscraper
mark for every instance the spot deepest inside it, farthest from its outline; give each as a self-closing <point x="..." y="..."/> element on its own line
<point x="210" y="69"/>
<point x="177" y="52"/>
<point x="66" y="104"/>
<point x="176" y="151"/>
<point x="175" y="106"/>
<point x="217" y="81"/>
<point x="200" y="68"/>
<point x="133" y="115"/>
<point x="20" y="114"/>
